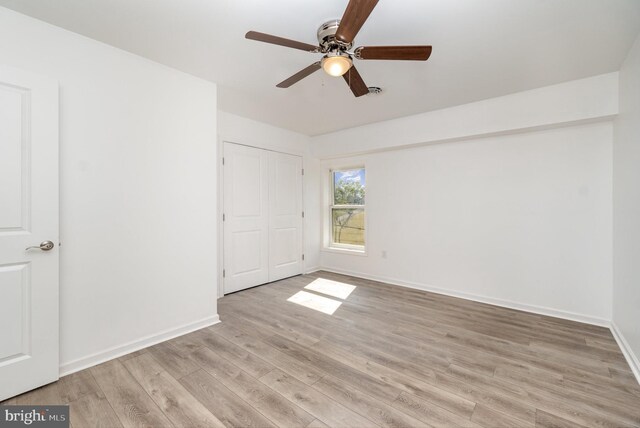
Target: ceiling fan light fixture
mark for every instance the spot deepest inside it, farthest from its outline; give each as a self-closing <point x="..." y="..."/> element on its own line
<point x="336" y="63"/>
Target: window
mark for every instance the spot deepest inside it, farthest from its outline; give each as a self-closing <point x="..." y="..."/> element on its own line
<point x="347" y="212"/>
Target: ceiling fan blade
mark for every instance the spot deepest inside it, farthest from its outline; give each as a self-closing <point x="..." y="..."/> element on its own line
<point x="275" y="40"/>
<point x="299" y="75"/>
<point x="406" y="53"/>
<point x="354" y="17"/>
<point x="355" y="82"/>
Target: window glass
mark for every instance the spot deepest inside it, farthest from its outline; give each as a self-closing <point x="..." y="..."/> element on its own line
<point x="347" y="209"/>
<point x="348" y="226"/>
<point x="348" y="187"/>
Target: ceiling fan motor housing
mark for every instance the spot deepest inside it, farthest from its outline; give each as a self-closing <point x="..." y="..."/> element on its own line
<point x="327" y="39"/>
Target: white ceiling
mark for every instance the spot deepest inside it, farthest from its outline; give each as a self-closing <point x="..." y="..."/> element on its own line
<point x="481" y="49"/>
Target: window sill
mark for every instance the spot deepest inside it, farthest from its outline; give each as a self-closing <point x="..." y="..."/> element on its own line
<point x="349" y="251"/>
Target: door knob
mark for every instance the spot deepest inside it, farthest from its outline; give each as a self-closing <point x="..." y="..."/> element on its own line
<point x="44" y="246"/>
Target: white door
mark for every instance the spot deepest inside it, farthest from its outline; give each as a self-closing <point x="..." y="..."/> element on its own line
<point x="262" y="216"/>
<point x="246" y="217"/>
<point x="28" y="217"/>
<point x="285" y="215"/>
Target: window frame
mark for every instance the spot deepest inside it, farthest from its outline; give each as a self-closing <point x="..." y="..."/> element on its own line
<point x="336" y="246"/>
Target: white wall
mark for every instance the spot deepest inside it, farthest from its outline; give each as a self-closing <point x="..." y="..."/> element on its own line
<point x="626" y="210"/>
<point x="513" y="206"/>
<point x="137" y="191"/>
<point x="237" y="129"/>
<point x="523" y="220"/>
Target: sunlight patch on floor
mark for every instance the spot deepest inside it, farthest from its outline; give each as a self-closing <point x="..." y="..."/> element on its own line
<point x="315" y="302"/>
<point x="331" y="288"/>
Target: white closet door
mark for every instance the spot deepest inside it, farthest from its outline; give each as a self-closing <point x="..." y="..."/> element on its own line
<point x="246" y="222"/>
<point x="285" y="215"/>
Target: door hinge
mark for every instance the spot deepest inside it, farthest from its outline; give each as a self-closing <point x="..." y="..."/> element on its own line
<point x="224" y="273"/>
<point x="302" y="171"/>
<point x="303" y="257"/>
<point x="223" y="217"/>
<point x="302" y="214"/>
<point x="223" y="161"/>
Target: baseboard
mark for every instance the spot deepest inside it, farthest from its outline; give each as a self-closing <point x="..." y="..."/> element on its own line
<point x="631" y="358"/>
<point x="312" y="269"/>
<point x="540" y="310"/>
<point x="136" y="345"/>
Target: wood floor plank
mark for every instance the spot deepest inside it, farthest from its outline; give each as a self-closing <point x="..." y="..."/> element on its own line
<point x="604" y="355"/>
<point x="513" y="401"/>
<point x="527" y="371"/>
<point x="171" y="397"/>
<point x="127" y="398"/>
<point x="76" y="385"/>
<point x="93" y="410"/>
<point x="255" y="315"/>
<point x="47" y="394"/>
<point x="224" y="404"/>
<point x="188" y="342"/>
<point x="548" y="420"/>
<point x="446" y="391"/>
<point x="379" y="412"/>
<point x="247" y="361"/>
<point x="409" y="364"/>
<point x="413" y="385"/>
<point x="349" y="375"/>
<point x="284" y="362"/>
<point x="524" y="353"/>
<point x="431" y="414"/>
<point x="268" y="402"/>
<point x="489" y="418"/>
<point x="317" y="423"/>
<point x="470" y="341"/>
<point x="571" y="405"/>
<point x="624" y="376"/>
<point x="175" y="361"/>
<point x="608" y="343"/>
<point x="595" y="383"/>
<point x="614" y="403"/>
<point x="314" y="402"/>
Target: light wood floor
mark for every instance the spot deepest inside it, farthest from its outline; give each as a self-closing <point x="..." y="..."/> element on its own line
<point x="387" y="356"/>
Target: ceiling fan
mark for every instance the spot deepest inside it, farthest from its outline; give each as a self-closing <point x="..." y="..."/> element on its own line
<point x="335" y="39"/>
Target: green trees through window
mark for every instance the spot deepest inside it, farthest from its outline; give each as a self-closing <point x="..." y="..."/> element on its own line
<point x="348" y="193"/>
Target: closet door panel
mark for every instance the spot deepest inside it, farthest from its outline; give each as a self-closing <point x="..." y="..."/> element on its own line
<point x="285" y="215"/>
<point x="246" y="217"/>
